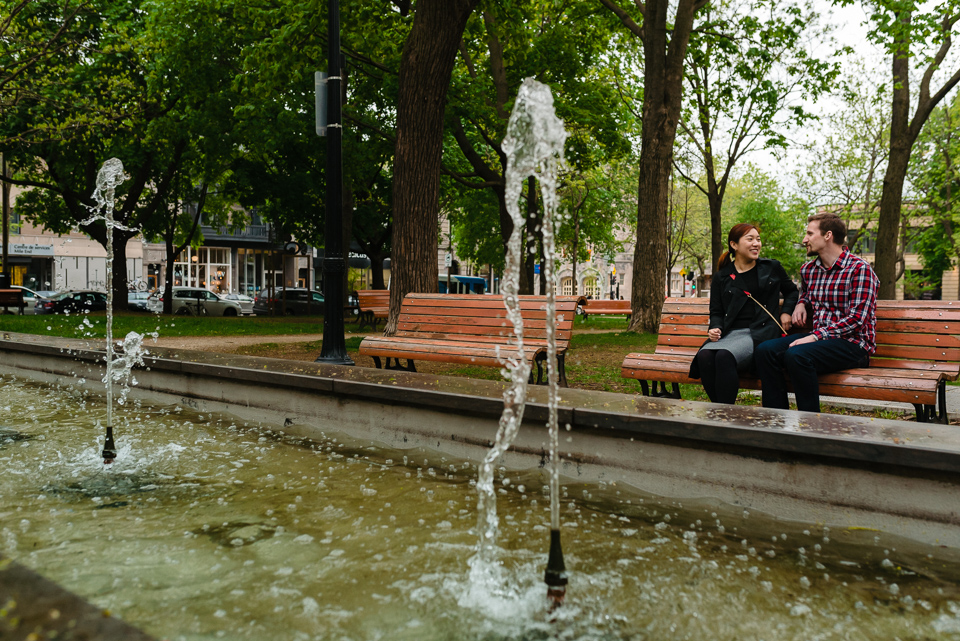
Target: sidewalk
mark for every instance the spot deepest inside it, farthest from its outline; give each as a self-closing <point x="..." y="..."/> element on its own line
<point x="953" y="403"/>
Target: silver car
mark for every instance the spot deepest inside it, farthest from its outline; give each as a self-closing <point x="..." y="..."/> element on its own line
<point x="195" y="301"/>
<point x="246" y="302"/>
<point x="30" y="297"/>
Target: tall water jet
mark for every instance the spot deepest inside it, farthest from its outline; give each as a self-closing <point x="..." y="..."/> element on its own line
<point x="534" y="147"/>
<point x="108" y="179"/>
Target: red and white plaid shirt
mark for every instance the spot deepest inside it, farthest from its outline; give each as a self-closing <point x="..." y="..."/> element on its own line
<point x="842" y="300"/>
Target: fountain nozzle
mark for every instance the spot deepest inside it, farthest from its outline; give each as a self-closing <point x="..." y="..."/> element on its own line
<point x="556" y="574"/>
<point x="109" y="452"/>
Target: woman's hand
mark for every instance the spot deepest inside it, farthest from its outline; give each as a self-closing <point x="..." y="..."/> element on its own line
<point x="786" y="320"/>
<point x="714" y="334"/>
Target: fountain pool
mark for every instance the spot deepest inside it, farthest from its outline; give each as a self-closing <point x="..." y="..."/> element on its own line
<point x="211" y="527"/>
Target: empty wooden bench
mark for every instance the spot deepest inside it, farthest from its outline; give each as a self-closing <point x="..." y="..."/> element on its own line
<point x="917" y="353"/>
<point x="374" y="306"/>
<point x="472" y="330"/>
<point x="11" y="298"/>
<point x="606" y="308"/>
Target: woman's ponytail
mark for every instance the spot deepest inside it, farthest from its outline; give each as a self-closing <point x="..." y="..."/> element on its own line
<point x="724" y="260"/>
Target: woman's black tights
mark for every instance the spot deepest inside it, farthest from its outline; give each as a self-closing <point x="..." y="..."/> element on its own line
<point x="718" y="373"/>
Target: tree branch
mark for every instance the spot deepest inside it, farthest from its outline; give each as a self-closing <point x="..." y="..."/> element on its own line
<point x="625" y="18"/>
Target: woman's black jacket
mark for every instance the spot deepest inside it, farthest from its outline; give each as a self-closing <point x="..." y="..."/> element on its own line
<point x="727" y="298"/>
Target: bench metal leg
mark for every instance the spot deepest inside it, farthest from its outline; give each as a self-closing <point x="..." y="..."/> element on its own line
<point x="660" y="389"/>
<point x="410" y="367"/>
<point x="929" y="413"/>
<point x="366" y="318"/>
<point x="562" y="370"/>
<point x="540" y="360"/>
<point x="664" y="393"/>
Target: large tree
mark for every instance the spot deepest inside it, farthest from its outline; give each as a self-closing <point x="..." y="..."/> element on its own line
<point x="561" y="44"/>
<point x="151" y="88"/>
<point x="665" y="39"/>
<point x="935" y="177"/>
<point x="748" y="78"/>
<point x="34" y="34"/>
<point x="425" y="68"/>
<point x="906" y="30"/>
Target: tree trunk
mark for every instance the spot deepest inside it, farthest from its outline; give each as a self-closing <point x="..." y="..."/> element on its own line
<point x="576" y="250"/>
<point x="168" y="277"/>
<point x="663" y="90"/>
<point x="534" y="234"/>
<point x="888" y="223"/>
<point x="715" y="200"/>
<point x="425" y="68"/>
<point x="904" y="131"/>
<point x="119" y="284"/>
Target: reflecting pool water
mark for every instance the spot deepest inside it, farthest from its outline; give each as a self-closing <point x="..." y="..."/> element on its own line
<point x="207" y="528"/>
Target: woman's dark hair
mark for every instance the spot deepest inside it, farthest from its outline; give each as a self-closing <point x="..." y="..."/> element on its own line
<point x="737" y="232"/>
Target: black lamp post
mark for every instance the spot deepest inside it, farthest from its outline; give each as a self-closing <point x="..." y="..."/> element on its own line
<point x="334" y="349"/>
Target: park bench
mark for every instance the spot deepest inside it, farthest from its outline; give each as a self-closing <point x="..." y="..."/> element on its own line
<point x="917" y="352"/>
<point x="11" y="298"/>
<point x="374" y="306"/>
<point x="606" y="308"/>
<point x="473" y="330"/>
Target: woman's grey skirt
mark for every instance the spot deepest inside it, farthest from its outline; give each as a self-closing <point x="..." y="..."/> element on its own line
<point x="739" y="342"/>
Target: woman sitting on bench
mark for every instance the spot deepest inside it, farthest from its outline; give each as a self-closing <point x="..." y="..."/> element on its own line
<point x="745" y="298"/>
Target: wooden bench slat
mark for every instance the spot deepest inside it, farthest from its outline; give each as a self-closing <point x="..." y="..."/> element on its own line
<point x="479" y="321"/>
<point x="928" y="353"/>
<point x="920" y="340"/>
<point x="472" y="328"/>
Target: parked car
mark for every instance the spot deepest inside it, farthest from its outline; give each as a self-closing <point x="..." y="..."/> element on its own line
<point x="137" y="301"/>
<point x="76" y="302"/>
<point x="195" y="301"/>
<point x="30" y="297"/>
<point x="290" y="301"/>
<point x="246" y="302"/>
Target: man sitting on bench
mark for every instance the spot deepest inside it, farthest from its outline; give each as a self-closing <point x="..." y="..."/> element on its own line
<point x="839" y="292"/>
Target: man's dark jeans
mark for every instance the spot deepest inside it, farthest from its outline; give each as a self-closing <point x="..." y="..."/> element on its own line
<point x="802" y="364"/>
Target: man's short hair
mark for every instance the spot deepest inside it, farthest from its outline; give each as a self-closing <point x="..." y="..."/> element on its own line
<point x="831" y="223"/>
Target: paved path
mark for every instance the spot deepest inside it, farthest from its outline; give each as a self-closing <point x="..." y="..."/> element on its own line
<point x="953" y="403"/>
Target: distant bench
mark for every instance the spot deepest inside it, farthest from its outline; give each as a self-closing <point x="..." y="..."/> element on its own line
<point x="606" y="308"/>
<point x="374" y="306"/>
<point x="917" y="352"/>
<point x="472" y="329"/>
<point x="11" y="298"/>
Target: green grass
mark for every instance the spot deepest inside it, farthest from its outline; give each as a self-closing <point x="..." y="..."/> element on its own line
<point x="600" y="322"/>
<point x="94" y="325"/>
<point x="628" y="340"/>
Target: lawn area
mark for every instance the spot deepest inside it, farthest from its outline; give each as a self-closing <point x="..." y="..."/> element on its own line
<point x="95" y="325"/>
<point x="593" y="359"/>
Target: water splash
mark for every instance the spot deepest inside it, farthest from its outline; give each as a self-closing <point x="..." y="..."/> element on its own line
<point x="108" y="179"/>
<point x="534" y="147"/>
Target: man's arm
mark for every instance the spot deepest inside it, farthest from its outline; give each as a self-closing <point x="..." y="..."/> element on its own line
<point x="863" y="305"/>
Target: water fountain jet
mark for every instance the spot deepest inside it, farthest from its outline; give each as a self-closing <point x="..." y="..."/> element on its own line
<point x="108" y="179"/>
<point x="534" y="148"/>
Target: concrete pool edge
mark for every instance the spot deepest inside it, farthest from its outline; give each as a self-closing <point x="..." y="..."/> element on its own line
<point x="894" y="476"/>
<point x="32" y="606"/>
